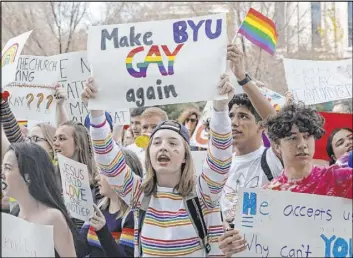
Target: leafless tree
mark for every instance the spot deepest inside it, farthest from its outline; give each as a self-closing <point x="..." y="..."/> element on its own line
<point x="54" y="24"/>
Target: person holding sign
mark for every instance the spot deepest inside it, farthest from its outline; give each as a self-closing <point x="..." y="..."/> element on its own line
<point x="293" y="132"/>
<point x="73" y="141"/>
<point x="28" y="176"/>
<point x="168" y="201"/>
<point x="110" y="231"/>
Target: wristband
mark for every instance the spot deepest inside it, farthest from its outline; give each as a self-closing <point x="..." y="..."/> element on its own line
<point x="245" y="81"/>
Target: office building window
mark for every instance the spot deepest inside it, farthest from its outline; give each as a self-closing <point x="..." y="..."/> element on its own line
<point x="315" y="24"/>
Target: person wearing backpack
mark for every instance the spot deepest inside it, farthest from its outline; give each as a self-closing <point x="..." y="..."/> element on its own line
<point x="254" y="165"/>
<point x="177" y="212"/>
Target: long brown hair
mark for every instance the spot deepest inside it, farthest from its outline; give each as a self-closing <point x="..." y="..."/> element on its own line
<point x="188" y="176"/>
<point x="49" y="133"/>
<point x="83" y="143"/>
<point x="135" y="165"/>
<point x="187" y="113"/>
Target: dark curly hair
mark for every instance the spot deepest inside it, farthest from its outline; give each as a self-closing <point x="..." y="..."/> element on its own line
<point x="243" y="100"/>
<point x="306" y="118"/>
<point x="329" y="145"/>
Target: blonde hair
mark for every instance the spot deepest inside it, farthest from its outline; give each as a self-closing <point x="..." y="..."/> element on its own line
<point x="49" y="133"/>
<point x="187" y="180"/>
<point x="187" y="113"/>
<point x="135" y="165"/>
<point x="154" y="111"/>
<point x="83" y="142"/>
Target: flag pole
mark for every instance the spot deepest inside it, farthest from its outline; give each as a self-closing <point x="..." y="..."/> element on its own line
<point x="236" y="34"/>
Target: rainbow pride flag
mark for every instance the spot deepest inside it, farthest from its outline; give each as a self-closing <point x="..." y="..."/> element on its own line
<point x="23" y="122"/>
<point x="260" y="30"/>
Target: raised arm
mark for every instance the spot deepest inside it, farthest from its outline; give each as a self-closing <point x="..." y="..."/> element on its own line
<point x="219" y="154"/>
<point x="5" y="144"/>
<point x="62" y="115"/>
<point x="260" y="103"/>
<point x="109" y="156"/>
<point x="10" y="125"/>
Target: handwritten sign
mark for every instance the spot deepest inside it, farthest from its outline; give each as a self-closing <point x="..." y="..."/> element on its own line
<point x="9" y="57"/>
<point x="121" y="117"/>
<point x="316" y="82"/>
<point x="76" y="188"/>
<point x="276" y="99"/>
<point x="286" y="224"/>
<point x="21" y="238"/>
<point x="32" y="103"/>
<point x="157" y="62"/>
<point x="198" y="157"/>
<point x="200" y="136"/>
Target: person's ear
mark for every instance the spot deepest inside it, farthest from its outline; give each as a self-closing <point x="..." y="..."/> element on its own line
<point x="333" y="157"/>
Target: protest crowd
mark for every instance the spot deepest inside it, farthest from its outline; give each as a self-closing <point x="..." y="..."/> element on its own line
<point x="137" y="189"/>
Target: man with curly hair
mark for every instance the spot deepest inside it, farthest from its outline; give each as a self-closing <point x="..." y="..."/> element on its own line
<point x="293" y="132"/>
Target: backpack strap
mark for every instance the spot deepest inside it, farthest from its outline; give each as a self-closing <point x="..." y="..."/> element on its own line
<point x="193" y="207"/>
<point x="265" y="167"/>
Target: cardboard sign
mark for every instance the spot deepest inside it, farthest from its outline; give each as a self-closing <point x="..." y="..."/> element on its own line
<point x="315" y="82"/>
<point x="9" y="57"/>
<point x="20" y="238"/>
<point x="286" y="224"/>
<point x="200" y="137"/>
<point x="157" y="62"/>
<point x="76" y="189"/>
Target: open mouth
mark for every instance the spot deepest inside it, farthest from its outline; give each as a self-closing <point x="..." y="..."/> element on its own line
<point x="163" y="158"/>
<point x="3" y="185"/>
<point x="57" y="151"/>
<point x="350" y="148"/>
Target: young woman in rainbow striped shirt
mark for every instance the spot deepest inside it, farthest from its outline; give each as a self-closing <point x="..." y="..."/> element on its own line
<point x="167" y="229"/>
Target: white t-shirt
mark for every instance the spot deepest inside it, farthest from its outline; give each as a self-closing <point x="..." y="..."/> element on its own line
<point x="246" y="172"/>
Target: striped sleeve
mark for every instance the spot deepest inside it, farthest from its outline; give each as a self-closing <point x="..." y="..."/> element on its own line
<point x="112" y="164"/>
<point x="9" y="123"/>
<point x="218" y="161"/>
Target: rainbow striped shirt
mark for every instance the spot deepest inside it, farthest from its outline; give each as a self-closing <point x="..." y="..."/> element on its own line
<point x="167" y="228"/>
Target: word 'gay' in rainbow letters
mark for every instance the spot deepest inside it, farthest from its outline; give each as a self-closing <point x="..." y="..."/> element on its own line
<point x="9" y="55"/>
<point x="250" y="209"/>
<point x="153" y="56"/>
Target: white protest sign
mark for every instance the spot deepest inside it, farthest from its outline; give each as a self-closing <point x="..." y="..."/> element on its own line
<point x="73" y="73"/>
<point x="76" y="188"/>
<point x="32" y="103"/>
<point x="121" y="117"/>
<point x="9" y="57"/>
<point x="20" y="238"/>
<point x="198" y="158"/>
<point x="200" y="137"/>
<point x="157" y="62"/>
<point x="276" y="99"/>
<point x="286" y="224"/>
<point x="316" y="82"/>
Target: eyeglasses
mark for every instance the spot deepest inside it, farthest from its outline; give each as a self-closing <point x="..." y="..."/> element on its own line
<point x="192" y="120"/>
<point x="36" y="139"/>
